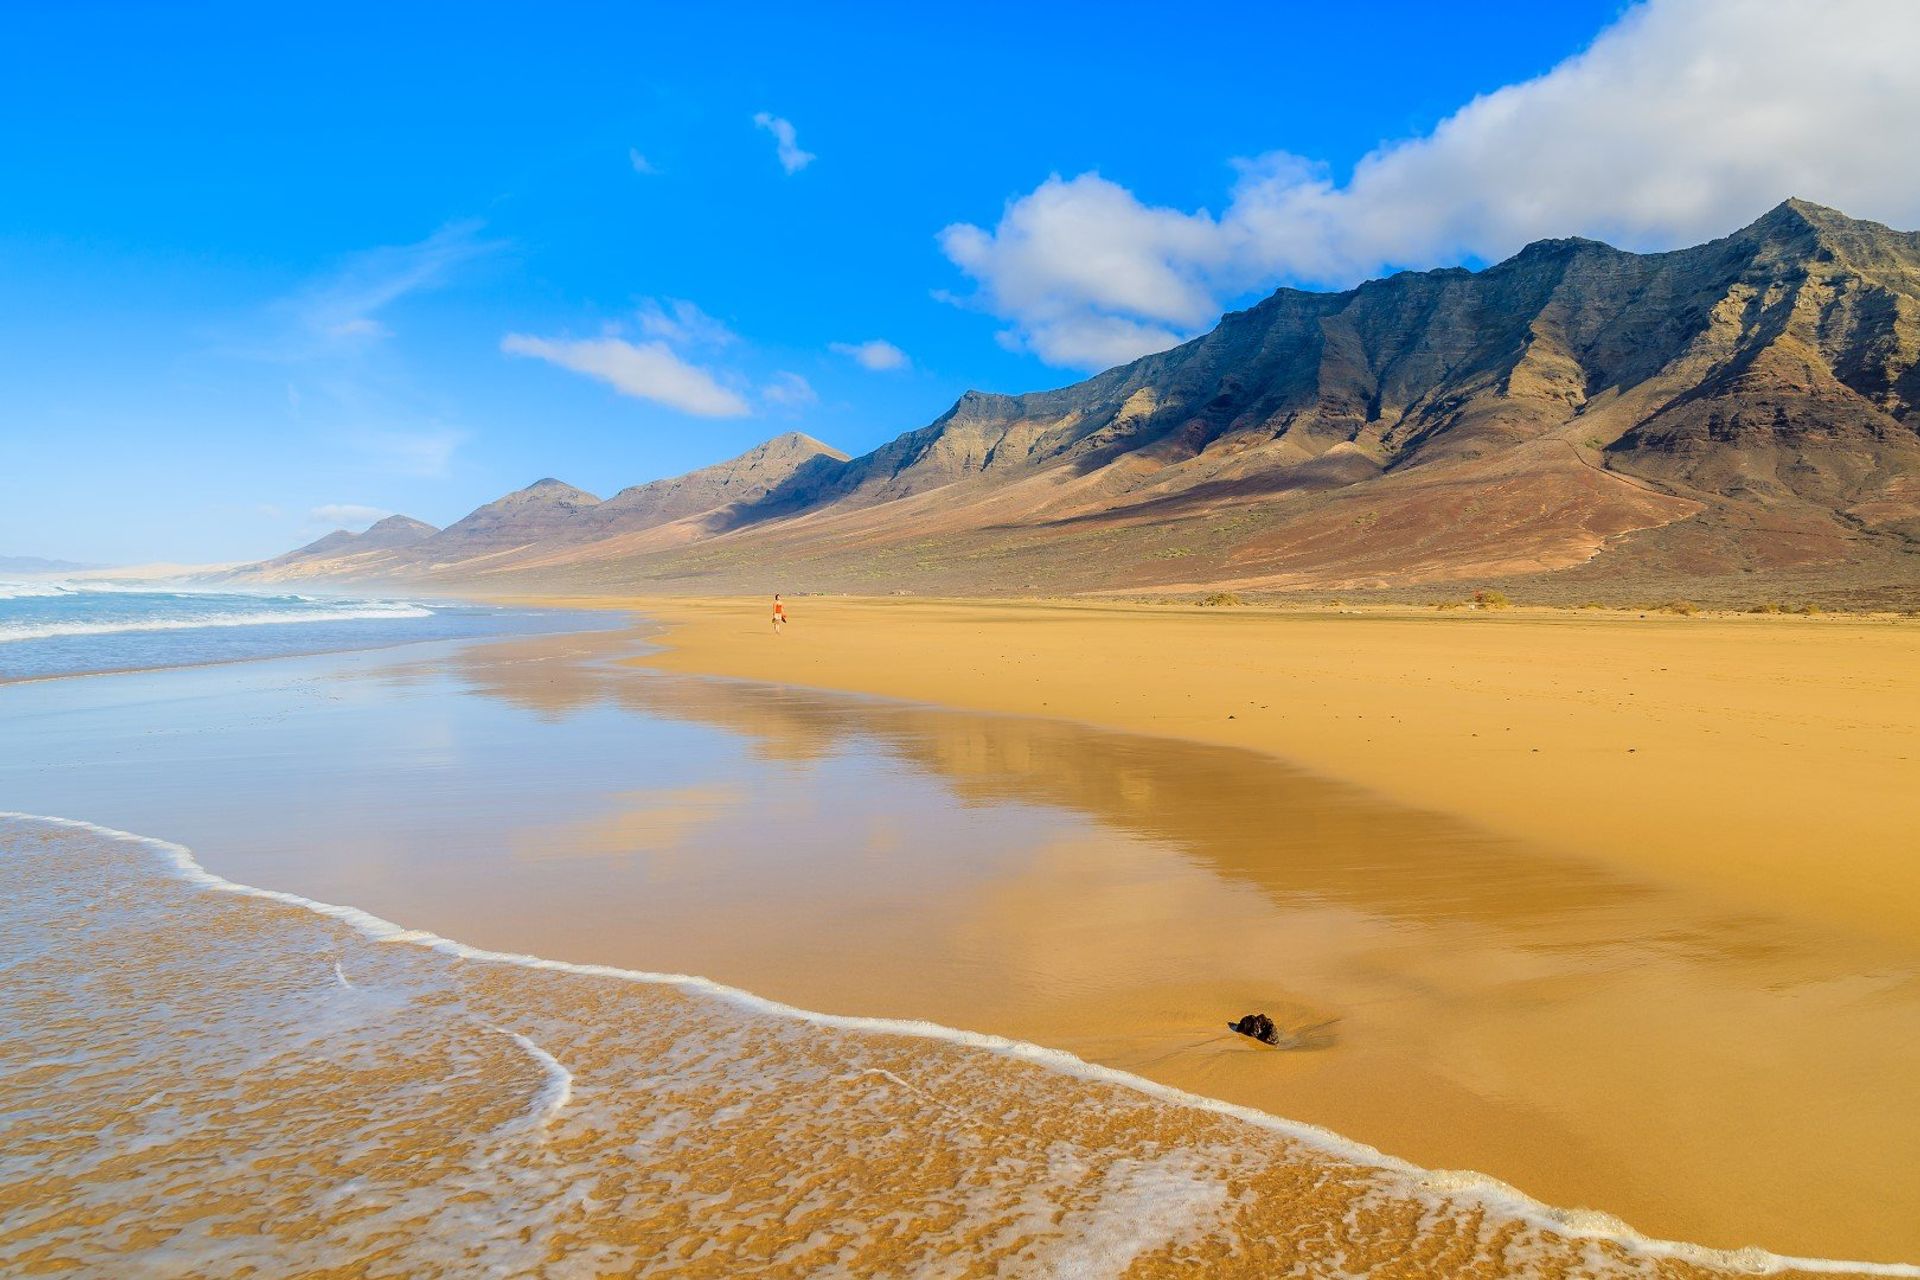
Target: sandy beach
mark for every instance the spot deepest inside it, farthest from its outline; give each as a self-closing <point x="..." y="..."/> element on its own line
<point x="1453" y="990"/>
<point x="1775" y="761"/>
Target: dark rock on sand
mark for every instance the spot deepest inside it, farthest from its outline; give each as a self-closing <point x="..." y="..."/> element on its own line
<point x="1257" y="1025"/>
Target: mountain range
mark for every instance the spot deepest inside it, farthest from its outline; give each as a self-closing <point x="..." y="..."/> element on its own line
<point x="40" y="565"/>
<point x="1578" y="419"/>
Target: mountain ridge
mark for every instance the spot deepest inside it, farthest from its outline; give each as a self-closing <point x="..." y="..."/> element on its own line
<point x="1747" y="405"/>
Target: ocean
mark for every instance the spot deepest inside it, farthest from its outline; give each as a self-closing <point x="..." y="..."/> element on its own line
<point x="52" y="627"/>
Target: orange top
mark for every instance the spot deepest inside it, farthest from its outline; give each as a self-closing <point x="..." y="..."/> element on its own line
<point x="779" y="610"/>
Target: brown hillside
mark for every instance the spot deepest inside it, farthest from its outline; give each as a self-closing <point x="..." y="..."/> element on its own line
<point x="1743" y="407"/>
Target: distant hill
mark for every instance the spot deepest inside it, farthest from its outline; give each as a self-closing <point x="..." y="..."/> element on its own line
<point x="739" y="482"/>
<point x="393" y="533"/>
<point x="544" y="509"/>
<point x="346" y="554"/>
<point x="35" y="564"/>
<point x="1579" y="418"/>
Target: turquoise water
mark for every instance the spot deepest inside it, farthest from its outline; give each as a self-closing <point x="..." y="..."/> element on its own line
<point x="50" y="628"/>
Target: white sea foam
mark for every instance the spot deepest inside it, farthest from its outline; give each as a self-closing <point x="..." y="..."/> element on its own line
<point x="1454" y="1185"/>
<point x="13" y="632"/>
<point x="1144" y="1205"/>
<point x="33" y="590"/>
<point x="557" y="1088"/>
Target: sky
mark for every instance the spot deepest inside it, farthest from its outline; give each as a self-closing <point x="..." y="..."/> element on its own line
<point x="269" y="270"/>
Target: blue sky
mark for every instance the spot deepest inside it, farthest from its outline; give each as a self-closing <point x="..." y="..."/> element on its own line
<point x="266" y="270"/>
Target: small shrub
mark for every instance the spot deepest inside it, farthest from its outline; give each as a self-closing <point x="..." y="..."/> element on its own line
<point x="1595" y="442"/>
<point x="1685" y="608"/>
<point x="1593" y="604"/>
<point x="1809" y="610"/>
<point x="1490" y="600"/>
<point x="1449" y="604"/>
<point x="1222" y="598"/>
<point x="1768" y="606"/>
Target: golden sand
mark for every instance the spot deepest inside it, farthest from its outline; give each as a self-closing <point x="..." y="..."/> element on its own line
<point x="1459" y="999"/>
<point x="1704" y="1054"/>
<point x="218" y="1084"/>
<point x="1775" y="761"/>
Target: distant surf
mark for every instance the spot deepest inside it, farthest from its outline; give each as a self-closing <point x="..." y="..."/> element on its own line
<point x="52" y="628"/>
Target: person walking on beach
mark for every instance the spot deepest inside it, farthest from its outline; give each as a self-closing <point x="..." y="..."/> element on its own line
<point x="779" y="615"/>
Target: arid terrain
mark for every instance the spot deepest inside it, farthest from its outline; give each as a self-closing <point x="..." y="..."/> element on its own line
<point x="1734" y="422"/>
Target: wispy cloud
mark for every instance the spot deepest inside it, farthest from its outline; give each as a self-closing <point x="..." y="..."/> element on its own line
<point x="645" y="370"/>
<point x="344" y="307"/>
<point x="792" y="158"/>
<point x="875" y="353"/>
<point x="1682" y="121"/>
<point x="424" y="453"/>
<point x="789" y="391"/>
<point x="639" y="162"/>
<point x="680" y="323"/>
<point x="349" y="388"/>
<point x="347" y="515"/>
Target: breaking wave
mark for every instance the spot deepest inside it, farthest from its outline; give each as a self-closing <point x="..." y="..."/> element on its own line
<point x="17" y="631"/>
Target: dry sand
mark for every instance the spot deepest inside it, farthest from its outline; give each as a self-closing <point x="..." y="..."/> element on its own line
<point x="1773" y="761"/>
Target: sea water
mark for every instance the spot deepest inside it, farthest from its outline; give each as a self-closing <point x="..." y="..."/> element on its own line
<point x="53" y="627"/>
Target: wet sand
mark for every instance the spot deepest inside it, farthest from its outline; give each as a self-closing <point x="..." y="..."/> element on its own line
<point x="1772" y="761"/>
<point x="1459" y="999"/>
<point x="403" y="1105"/>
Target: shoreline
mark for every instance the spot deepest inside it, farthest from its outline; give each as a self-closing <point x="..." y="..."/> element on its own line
<point x="371" y="646"/>
<point x="1160" y="788"/>
<point x="1482" y="1189"/>
<point x="1741" y="755"/>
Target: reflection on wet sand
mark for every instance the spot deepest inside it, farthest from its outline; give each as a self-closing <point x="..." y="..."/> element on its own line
<point x="1476" y="1003"/>
<point x="214" y="1082"/>
<point x="656" y="821"/>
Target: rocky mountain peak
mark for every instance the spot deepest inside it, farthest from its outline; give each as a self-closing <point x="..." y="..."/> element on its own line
<point x="552" y="490"/>
<point x="788" y="462"/>
<point x="398" y="524"/>
<point x="785" y="447"/>
<point x="393" y="533"/>
<point x="1752" y="403"/>
<point x="1799" y="230"/>
<point x="543" y="509"/>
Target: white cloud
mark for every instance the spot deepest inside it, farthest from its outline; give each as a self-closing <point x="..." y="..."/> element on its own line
<point x="1683" y="120"/>
<point x="347" y="515"/>
<point x="789" y="391"/>
<point x="639" y="162"/>
<point x="680" y="323"/>
<point x="792" y="158"/>
<point x="426" y="453"/>
<point x="344" y="307"/>
<point x="646" y="370"/>
<point x="874" y="354"/>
